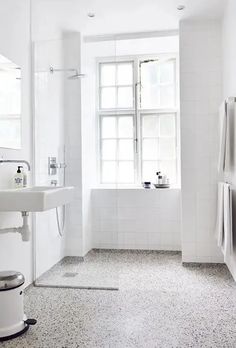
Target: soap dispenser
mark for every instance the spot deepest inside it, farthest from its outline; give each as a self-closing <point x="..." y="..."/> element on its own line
<point x="18" y="178"/>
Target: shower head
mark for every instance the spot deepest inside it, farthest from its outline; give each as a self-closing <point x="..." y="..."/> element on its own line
<point x="76" y="76"/>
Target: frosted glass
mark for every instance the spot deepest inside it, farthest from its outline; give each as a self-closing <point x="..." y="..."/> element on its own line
<point x="126" y="149"/>
<point x="108" y="75"/>
<point x="150" y="126"/>
<point x="109" y="149"/>
<point x="167" y="96"/>
<point x="167" y="125"/>
<point x="125" y="127"/>
<point x="108" y="127"/>
<point x="167" y="73"/>
<point x="109" y="172"/>
<point x="125" y="74"/>
<point x="108" y="98"/>
<point x="149" y="170"/>
<point x="126" y="172"/>
<point x="125" y="97"/>
<point x="167" y="148"/>
<point x="150" y="149"/>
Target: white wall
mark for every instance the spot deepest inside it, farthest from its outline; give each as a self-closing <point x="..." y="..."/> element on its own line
<point x="200" y="97"/>
<point x="15" y="45"/>
<point x="137" y="219"/>
<point x="229" y="89"/>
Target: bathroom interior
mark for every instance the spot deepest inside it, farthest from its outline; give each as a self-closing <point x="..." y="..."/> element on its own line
<point x="117" y="173"/>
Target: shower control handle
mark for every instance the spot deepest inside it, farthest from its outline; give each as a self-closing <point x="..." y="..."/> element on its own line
<point x="53" y="166"/>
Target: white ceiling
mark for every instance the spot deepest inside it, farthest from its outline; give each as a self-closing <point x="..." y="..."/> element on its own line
<point x="121" y="16"/>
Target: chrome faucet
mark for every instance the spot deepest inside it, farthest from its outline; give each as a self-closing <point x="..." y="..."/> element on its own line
<point x="16" y="161"/>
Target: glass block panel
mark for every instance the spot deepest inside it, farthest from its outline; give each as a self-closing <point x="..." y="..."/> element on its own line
<point x="108" y="98"/>
<point x="125" y="74"/>
<point x="150" y="126"/>
<point x="167" y="96"/>
<point x="167" y="148"/>
<point x="108" y="172"/>
<point x="169" y="168"/>
<point x="167" y="73"/>
<point x="108" y="127"/>
<point x="108" y="75"/>
<point x="150" y="149"/>
<point x="149" y="170"/>
<point x="126" y="172"/>
<point x="126" y="149"/>
<point x="125" y="97"/>
<point x="125" y="127"/>
<point x="167" y="125"/>
<point x="109" y="150"/>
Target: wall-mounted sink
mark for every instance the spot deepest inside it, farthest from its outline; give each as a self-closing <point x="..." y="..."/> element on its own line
<point x="38" y="198"/>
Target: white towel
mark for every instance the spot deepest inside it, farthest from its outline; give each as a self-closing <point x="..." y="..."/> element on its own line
<point x="228" y="228"/>
<point x="220" y="216"/>
<point x="223" y="157"/>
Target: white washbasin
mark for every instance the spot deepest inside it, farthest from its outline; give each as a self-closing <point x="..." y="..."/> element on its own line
<point x="38" y="198"/>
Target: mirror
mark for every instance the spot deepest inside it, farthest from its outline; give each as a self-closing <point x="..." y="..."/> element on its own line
<point x="10" y="104"/>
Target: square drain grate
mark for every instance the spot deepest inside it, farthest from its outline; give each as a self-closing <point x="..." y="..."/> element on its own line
<point x="70" y="274"/>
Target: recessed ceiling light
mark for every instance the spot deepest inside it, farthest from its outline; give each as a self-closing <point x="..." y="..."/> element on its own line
<point x="91" y="14"/>
<point x="180" y="7"/>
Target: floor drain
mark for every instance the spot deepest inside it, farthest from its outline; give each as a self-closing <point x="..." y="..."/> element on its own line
<point x="70" y="274"/>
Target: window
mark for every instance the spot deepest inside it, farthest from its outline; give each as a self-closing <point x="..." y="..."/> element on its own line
<point x="137" y="117"/>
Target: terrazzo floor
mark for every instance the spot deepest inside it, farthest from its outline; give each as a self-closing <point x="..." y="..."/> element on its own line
<point x="159" y="304"/>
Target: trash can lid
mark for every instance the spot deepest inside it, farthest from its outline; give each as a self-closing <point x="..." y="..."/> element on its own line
<point x="11" y="280"/>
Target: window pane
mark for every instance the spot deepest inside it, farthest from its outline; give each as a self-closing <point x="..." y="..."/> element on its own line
<point x="125" y="97"/>
<point x="108" y="172"/>
<point x="169" y="168"/>
<point x="150" y="126"/>
<point x="109" y="149"/>
<point x="108" y="97"/>
<point x="150" y="149"/>
<point x="125" y="74"/>
<point x="167" y="148"/>
<point x="167" y="125"/>
<point x="150" y="97"/>
<point x="149" y="171"/>
<point x="108" y="127"/>
<point x="150" y="85"/>
<point x="125" y="127"/>
<point x="126" y="149"/>
<point x="126" y="172"/>
<point x="108" y="74"/>
<point x="167" y="96"/>
<point x="167" y="73"/>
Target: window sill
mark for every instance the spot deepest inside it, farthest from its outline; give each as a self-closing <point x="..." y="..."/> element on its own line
<point x="132" y="187"/>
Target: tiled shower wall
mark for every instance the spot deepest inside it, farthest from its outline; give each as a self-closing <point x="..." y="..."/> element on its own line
<point x="136" y="219"/>
<point x="229" y="90"/>
<point x="200" y="97"/>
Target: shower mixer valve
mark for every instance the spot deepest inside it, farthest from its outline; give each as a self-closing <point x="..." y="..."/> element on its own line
<point x="53" y="166"/>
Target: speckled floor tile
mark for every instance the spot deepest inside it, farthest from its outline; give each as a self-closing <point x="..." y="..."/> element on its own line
<point x="160" y="304"/>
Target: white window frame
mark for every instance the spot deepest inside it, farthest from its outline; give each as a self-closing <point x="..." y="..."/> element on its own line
<point x="137" y="119"/>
